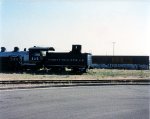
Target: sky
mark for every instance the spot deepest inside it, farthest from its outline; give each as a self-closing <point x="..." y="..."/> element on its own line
<point x="95" y="24"/>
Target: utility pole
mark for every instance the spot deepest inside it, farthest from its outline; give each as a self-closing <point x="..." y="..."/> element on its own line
<point x="113" y="48"/>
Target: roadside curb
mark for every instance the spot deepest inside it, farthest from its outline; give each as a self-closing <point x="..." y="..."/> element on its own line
<point x="28" y="84"/>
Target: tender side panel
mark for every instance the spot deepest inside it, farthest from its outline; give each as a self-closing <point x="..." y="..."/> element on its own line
<point x="66" y="59"/>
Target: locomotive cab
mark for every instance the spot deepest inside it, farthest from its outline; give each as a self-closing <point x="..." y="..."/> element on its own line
<point x="37" y="54"/>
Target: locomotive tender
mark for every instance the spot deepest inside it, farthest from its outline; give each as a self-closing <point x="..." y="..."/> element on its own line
<point x="44" y="58"/>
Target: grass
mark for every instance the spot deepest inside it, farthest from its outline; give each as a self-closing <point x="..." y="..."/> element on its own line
<point x="108" y="73"/>
<point x="92" y="74"/>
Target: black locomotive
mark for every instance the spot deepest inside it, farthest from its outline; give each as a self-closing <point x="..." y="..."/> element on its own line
<point x="38" y="58"/>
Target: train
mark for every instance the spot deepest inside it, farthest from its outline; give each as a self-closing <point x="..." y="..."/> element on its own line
<point x="120" y="62"/>
<point x="44" y="58"/>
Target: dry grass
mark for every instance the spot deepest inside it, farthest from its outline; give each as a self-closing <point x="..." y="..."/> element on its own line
<point x="93" y="74"/>
<point x="119" y="74"/>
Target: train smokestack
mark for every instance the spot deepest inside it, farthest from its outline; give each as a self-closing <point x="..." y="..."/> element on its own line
<point x="3" y="49"/>
<point x="16" y="49"/>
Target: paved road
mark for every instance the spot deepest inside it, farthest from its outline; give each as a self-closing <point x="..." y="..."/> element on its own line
<point x="97" y="102"/>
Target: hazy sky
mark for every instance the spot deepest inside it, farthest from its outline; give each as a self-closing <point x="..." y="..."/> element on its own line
<point x="94" y="24"/>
